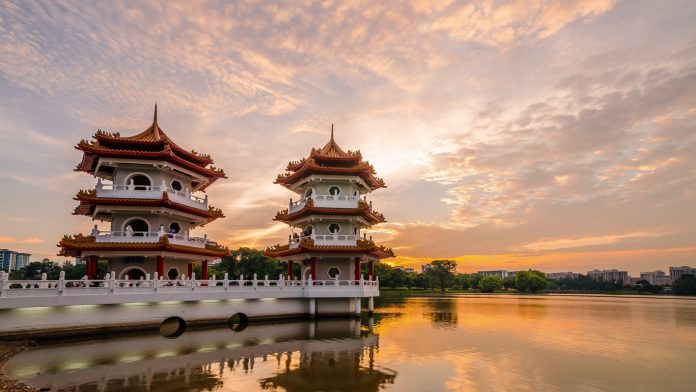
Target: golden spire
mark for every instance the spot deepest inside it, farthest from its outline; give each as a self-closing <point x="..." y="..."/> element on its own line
<point x="332" y="132"/>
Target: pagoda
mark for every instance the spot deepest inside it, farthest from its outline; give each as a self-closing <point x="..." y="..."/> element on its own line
<point x="330" y="215"/>
<point x="146" y="189"/>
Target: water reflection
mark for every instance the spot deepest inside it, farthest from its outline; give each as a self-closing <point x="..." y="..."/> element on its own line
<point x="334" y="354"/>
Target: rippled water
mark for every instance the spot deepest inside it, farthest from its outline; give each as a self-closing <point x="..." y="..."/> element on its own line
<point x="489" y="343"/>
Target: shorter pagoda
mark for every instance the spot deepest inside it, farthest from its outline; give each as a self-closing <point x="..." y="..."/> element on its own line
<point x="330" y="215"/>
<point x="146" y="189"/>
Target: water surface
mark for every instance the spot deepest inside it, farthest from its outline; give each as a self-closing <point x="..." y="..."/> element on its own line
<point x="488" y="343"/>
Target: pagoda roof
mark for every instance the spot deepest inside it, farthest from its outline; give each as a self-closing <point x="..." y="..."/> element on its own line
<point x="73" y="246"/>
<point x="364" y="210"/>
<point x="89" y="201"/>
<point x="331" y="159"/>
<point x="307" y="245"/>
<point x="152" y="144"/>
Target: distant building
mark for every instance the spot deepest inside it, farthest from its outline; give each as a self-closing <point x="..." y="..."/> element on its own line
<point x="562" y="275"/>
<point x="405" y="269"/>
<point x="425" y="267"/>
<point x="502" y="274"/>
<point x="656" y="277"/>
<point x="12" y="261"/>
<point x="677" y="272"/>
<point x="612" y="275"/>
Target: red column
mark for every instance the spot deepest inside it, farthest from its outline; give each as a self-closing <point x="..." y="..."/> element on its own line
<point x="290" y="269"/>
<point x="160" y="265"/>
<point x="371" y="267"/>
<point x="357" y="268"/>
<point x="314" y="268"/>
<point x="204" y="270"/>
<point x="91" y="269"/>
<point x="189" y="270"/>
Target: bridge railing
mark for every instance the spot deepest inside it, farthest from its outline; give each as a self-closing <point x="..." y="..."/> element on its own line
<point x="110" y="285"/>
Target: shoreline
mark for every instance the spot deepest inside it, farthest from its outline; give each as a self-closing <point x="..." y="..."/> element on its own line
<point x="8" y="349"/>
<point x="396" y="293"/>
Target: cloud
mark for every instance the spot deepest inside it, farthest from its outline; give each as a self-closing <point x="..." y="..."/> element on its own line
<point x="14" y="240"/>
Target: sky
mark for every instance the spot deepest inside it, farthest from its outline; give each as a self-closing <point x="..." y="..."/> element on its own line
<point x="558" y="135"/>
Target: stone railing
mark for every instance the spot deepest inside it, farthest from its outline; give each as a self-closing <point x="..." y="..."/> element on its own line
<point x="167" y="290"/>
<point x="325" y="201"/>
<point x="148" y="237"/>
<point x="326" y="239"/>
<point x="132" y="191"/>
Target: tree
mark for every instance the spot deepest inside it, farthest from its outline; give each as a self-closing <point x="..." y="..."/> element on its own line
<point x="441" y="272"/>
<point x="489" y="284"/>
<point x="509" y="282"/>
<point x="530" y="281"/>
<point x="686" y="285"/>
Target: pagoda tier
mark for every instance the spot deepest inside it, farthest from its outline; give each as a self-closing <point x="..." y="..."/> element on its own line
<point x="74" y="246"/>
<point x="330" y="160"/>
<point x="364" y="211"/>
<point x="151" y="144"/>
<point x="307" y="245"/>
<point x="89" y="201"/>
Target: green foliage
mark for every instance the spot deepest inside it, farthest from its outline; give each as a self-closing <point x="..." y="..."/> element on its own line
<point x="509" y="282"/>
<point x="645" y="287"/>
<point x="441" y="272"/>
<point x="531" y="281"/>
<point x="245" y="262"/>
<point x="585" y="283"/>
<point x="686" y="285"/>
<point x="489" y="284"/>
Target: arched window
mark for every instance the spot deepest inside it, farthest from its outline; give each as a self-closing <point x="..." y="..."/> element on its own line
<point x="308" y="230"/>
<point x="356" y="193"/>
<point x="176" y="185"/>
<point x="139" y="227"/>
<point x="309" y="192"/>
<point x="141" y="182"/>
<point x="355" y="230"/>
<point x="174" y="228"/>
<point x="334" y="190"/>
<point x="334" y="228"/>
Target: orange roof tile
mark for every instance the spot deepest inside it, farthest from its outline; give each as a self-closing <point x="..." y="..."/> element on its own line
<point x="364" y="210"/>
<point x="307" y="246"/>
<point x="73" y="246"/>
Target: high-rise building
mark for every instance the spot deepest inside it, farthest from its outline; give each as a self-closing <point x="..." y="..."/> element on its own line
<point x="612" y="275"/>
<point x="677" y="272"/>
<point x="657" y="277"/>
<point x="502" y="274"/>
<point x="11" y="260"/>
<point x="330" y="215"/>
<point x="146" y="191"/>
<point x="562" y="275"/>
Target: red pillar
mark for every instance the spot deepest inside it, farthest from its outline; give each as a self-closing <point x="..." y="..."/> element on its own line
<point x="204" y="270"/>
<point x="160" y="265"/>
<point x="189" y="270"/>
<point x="91" y="269"/>
<point x="314" y="268"/>
<point x="290" y="269"/>
<point x="357" y="268"/>
<point x="371" y="267"/>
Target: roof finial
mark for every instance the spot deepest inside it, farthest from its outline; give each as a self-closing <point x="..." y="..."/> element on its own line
<point x="332" y="132"/>
<point x="155" y="127"/>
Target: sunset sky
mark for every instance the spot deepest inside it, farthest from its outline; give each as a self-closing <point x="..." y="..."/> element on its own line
<point x="558" y="135"/>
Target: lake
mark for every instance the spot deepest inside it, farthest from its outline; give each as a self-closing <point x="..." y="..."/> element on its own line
<point x="484" y="343"/>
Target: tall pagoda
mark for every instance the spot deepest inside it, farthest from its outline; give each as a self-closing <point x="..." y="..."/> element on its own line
<point x="146" y="188"/>
<point x="330" y="215"/>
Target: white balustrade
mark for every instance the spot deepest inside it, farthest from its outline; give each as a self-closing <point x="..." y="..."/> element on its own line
<point x="148" y="237"/>
<point x="131" y="191"/>
<point x="80" y="290"/>
<point x="325" y="201"/>
<point x="326" y="239"/>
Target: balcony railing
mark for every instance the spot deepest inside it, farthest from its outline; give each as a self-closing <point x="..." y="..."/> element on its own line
<point x="132" y="191"/>
<point x="325" y="201"/>
<point x="149" y="237"/>
<point x="326" y="239"/>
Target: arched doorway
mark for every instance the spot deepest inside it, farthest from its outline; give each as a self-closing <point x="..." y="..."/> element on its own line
<point x="140" y="182"/>
<point x="133" y="273"/>
<point x="139" y="227"/>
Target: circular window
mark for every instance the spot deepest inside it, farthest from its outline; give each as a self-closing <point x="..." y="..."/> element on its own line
<point x="173" y="273"/>
<point x="140" y="182"/>
<point x="334" y="190"/>
<point x="174" y="228"/>
<point x="333" y="272"/>
<point x="334" y="228"/>
<point x="176" y="185"/>
<point x="308" y="231"/>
